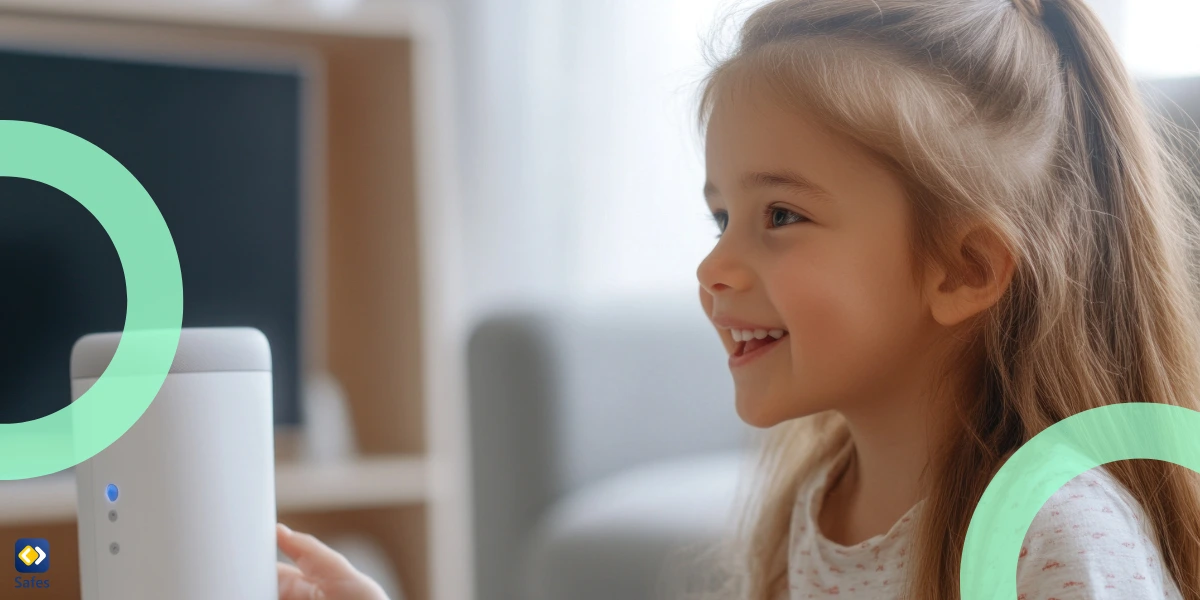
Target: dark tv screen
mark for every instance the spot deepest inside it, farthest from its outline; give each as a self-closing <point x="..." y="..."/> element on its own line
<point x="218" y="148"/>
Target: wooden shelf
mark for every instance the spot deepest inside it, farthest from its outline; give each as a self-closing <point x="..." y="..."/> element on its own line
<point x="386" y="316"/>
<point x="48" y="499"/>
<point x="367" y="482"/>
<point x="366" y="18"/>
<point x="363" y="483"/>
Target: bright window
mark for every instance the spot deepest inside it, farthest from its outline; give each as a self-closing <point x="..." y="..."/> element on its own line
<point x="1158" y="37"/>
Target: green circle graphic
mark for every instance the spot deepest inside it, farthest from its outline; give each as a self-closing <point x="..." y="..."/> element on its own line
<point x="154" y="300"/>
<point x="1047" y="462"/>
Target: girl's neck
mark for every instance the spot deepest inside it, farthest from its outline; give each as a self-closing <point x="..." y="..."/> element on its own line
<point x="893" y="442"/>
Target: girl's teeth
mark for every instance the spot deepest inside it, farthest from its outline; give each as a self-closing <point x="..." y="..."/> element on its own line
<point x="745" y="335"/>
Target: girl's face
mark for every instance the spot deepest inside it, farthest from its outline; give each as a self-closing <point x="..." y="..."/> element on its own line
<point x="815" y="250"/>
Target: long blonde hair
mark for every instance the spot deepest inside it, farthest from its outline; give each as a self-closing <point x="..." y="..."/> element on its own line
<point x="1020" y="116"/>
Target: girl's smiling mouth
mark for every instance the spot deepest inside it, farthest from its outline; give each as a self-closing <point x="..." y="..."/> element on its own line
<point x="751" y="344"/>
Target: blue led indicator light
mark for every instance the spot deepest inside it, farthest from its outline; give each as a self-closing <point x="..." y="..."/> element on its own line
<point x="111" y="492"/>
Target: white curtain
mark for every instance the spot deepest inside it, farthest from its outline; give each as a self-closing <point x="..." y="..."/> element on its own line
<point x="584" y="166"/>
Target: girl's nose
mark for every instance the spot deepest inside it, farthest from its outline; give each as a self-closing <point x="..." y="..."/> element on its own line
<point x="722" y="270"/>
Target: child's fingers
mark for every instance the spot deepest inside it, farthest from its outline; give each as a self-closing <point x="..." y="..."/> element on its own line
<point x="288" y="572"/>
<point x="312" y="557"/>
<point x="293" y="585"/>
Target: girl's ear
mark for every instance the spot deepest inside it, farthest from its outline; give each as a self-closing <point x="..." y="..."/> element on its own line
<point x="974" y="282"/>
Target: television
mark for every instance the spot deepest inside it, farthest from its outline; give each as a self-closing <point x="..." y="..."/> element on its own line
<point x="222" y="142"/>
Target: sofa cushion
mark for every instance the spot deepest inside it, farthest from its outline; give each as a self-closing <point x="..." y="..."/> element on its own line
<point x="633" y="535"/>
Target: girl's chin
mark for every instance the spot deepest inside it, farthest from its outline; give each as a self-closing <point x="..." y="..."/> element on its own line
<point x="763" y="412"/>
<point x="757" y="411"/>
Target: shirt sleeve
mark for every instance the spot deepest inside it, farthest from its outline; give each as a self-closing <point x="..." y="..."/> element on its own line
<point x="1089" y="542"/>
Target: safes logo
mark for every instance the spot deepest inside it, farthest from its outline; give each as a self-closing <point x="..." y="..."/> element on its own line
<point x="33" y="555"/>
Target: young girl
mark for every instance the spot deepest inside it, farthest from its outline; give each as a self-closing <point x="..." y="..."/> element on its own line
<point x="944" y="226"/>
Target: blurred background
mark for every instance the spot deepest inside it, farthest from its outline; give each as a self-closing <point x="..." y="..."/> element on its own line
<point x="469" y="229"/>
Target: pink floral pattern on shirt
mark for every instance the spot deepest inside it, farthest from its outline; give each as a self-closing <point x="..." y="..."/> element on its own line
<point x="1088" y="542"/>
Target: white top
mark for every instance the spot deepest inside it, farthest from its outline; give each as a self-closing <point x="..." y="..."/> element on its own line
<point x="199" y="350"/>
<point x="1087" y="542"/>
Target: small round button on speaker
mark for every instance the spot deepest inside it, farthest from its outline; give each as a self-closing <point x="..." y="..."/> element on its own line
<point x="114" y="548"/>
<point x="112" y="516"/>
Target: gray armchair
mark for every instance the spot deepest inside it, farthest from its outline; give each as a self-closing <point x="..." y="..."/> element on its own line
<point x="603" y="442"/>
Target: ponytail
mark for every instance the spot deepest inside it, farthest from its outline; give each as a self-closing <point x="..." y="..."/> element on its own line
<point x="1101" y="97"/>
<point x="1144" y="276"/>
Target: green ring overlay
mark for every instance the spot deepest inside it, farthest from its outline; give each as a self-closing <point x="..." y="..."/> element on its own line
<point x="1047" y="462"/>
<point x="154" y="300"/>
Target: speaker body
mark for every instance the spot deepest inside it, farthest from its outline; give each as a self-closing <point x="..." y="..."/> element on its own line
<point x="191" y="514"/>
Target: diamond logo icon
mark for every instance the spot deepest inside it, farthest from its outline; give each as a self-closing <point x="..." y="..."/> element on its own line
<point x="32" y="555"/>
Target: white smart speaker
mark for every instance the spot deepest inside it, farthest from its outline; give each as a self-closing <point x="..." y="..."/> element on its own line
<point x="182" y="506"/>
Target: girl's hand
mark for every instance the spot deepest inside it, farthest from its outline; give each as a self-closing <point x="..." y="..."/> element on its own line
<point x="320" y="573"/>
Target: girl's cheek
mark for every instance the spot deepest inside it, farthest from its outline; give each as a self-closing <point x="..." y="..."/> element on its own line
<point x="844" y="326"/>
<point x="818" y="320"/>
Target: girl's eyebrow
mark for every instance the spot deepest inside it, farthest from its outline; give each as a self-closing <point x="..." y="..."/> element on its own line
<point x="786" y="179"/>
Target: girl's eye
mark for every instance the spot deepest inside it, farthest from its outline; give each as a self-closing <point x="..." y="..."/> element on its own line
<point x="775" y="216"/>
<point x="778" y="217"/>
<point x="722" y="220"/>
